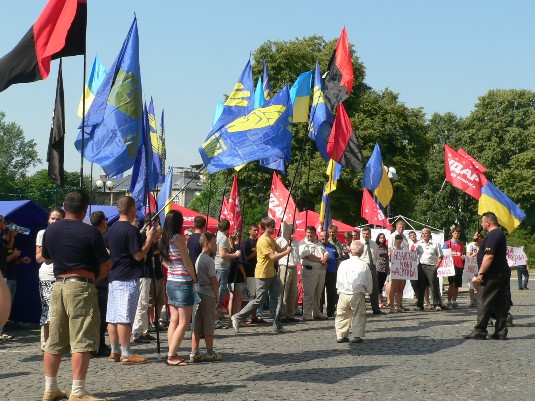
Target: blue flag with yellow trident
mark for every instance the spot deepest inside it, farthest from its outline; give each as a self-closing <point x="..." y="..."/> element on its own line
<point x="240" y="101"/>
<point x="113" y="123"/>
<point x="263" y="133"/>
<point x="321" y="119"/>
<point x="157" y="145"/>
<point x="266" y="83"/>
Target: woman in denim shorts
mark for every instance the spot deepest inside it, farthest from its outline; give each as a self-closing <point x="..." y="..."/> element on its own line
<point x="180" y="279"/>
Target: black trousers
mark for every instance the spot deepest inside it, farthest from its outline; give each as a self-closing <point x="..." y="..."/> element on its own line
<point x="427" y="276"/>
<point x="381" y="280"/>
<point x="332" y="294"/>
<point x="102" y="308"/>
<point x="494" y="298"/>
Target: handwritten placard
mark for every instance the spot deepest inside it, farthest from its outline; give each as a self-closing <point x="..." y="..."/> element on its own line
<point x="446" y="268"/>
<point x="403" y="265"/>
<point x="470" y="269"/>
<point x="516" y="256"/>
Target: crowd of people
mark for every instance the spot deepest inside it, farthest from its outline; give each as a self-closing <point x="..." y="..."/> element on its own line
<point x="119" y="280"/>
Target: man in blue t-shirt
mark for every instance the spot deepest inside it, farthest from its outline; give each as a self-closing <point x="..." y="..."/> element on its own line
<point x="330" y="276"/>
<point x="127" y="252"/>
<point x="493" y="277"/>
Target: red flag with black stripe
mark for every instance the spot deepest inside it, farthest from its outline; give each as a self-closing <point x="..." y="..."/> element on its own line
<point x="339" y="79"/>
<point x="343" y="145"/>
<point x="58" y="32"/>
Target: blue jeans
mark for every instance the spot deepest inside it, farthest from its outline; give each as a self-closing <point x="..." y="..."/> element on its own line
<point x="222" y="279"/>
<point x="263" y="286"/>
<point x="522" y="271"/>
<point x="12" y="285"/>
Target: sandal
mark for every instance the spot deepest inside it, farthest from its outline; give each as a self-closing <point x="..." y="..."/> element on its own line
<point x="133" y="359"/>
<point x="176" y="361"/>
<point x="400" y="310"/>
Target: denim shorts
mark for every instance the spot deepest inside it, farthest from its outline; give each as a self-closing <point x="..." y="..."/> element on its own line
<point x="180" y="293"/>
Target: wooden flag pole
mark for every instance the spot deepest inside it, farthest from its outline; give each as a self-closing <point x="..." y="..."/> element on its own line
<point x="83" y="127"/>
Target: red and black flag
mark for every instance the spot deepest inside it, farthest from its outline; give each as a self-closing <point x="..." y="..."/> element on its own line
<point x="339" y="79"/>
<point x="56" y="143"/>
<point x="58" y="32"/>
<point x="343" y="146"/>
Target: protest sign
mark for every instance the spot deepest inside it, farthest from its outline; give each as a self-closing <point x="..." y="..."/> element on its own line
<point x="516" y="256"/>
<point x="404" y="265"/>
<point x="446" y="268"/>
<point x="470" y="269"/>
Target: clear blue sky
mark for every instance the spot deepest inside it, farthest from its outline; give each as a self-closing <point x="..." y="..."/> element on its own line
<point x="438" y="55"/>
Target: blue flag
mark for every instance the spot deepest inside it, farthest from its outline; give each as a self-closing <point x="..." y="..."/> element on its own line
<point x="240" y="101"/>
<point x="325" y="210"/>
<point x="376" y="179"/>
<point x="263" y="133"/>
<point x="266" y="84"/>
<point x="165" y="194"/>
<point x="157" y="146"/>
<point x="300" y="95"/>
<point x="143" y="177"/>
<point x="274" y="163"/>
<point x="161" y="136"/>
<point x="96" y="76"/>
<point x="217" y="112"/>
<point x="113" y="123"/>
<point x="259" y="99"/>
<point x="321" y="119"/>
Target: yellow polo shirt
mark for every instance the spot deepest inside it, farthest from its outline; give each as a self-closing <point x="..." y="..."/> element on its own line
<point x="265" y="268"/>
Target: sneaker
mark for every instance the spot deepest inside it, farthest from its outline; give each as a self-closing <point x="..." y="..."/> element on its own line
<point x="220" y="325"/>
<point x="449" y="305"/>
<point x="520" y="288"/>
<point x="454" y="305"/>
<point x="149" y="337"/>
<point x="307" y="318"/>
<point x="4" y="337"/>
<point x="526" y="288"/>
<point x="86" y="397"/>
<point x="51" y="395"/>
<point x="281" y="330"/>
<point x="235" y="324"/>
<point x="320" y="317"/>
<point x="342" y="340"/>
<point x="141" y="340"/>
<point x="133" y="359"/>
<point x="357" y="340"/>
<point x="474" y="335"/>
<point x="438" y="308"/>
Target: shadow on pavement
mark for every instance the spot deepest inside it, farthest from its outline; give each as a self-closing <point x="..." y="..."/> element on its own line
<point x="314" y="375"/>
<point x="173" y="390"/>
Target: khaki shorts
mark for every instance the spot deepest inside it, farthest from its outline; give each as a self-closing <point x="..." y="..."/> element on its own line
<point x="74" y="318"/>
<point x="204" y="316"/>
<point x="160" y="292"/>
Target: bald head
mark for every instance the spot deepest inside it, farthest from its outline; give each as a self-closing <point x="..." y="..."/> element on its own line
<point x="356" y="248"/>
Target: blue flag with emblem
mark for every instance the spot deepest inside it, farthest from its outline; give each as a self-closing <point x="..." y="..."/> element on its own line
<point x="259" y="99"/>
<point x="321" y="119"/>
<point x="263" y="133"/>
<point x="144" y="178"/>
<point x="240" y="102"/>
<point x="157" y="145"/>
<point x="161" y="143"/>
<point x="113" y="123"/>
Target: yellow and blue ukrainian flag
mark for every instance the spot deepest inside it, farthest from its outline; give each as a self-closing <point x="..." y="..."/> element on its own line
<point x="376" y="178"/>
<point x="300" y="95"/>
<point x="325" y="209"/>
<point x="493" y="200"/>
<point x="165" y="195"/>
<point x="96" y="77"/>
<point x="334" y="171"/>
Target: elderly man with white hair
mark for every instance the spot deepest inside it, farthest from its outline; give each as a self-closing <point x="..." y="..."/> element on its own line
<point x="353" y="281"/>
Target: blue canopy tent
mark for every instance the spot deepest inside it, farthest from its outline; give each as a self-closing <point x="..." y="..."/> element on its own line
<point x="26" y="213"/>
<point x="110" y="211"/>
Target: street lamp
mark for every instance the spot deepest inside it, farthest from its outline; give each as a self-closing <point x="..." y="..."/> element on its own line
<point x="101" y="185"/>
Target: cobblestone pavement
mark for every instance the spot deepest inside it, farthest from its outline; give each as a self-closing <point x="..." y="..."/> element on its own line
<point x="411" y="356"/>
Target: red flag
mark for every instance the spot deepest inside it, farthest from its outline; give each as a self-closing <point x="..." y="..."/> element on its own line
<point x="277" y="202"/>
<point x="58" y="32"/>
<point x="153" y="206"/>
<point x="339" y="78"/>
<point x="477" y="165"/>
<point x="343" y="146"/>
<point x="230" y="209"/>
<point x="462" y="173"/>
<point x="372" y="212"/>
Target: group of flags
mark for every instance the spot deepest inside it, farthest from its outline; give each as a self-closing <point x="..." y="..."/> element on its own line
<point x="466" y="173"/>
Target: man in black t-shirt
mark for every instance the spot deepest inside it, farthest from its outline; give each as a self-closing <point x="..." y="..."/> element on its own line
<point x="80" y="259"/>
<point x="127" y="252"/>
<point x="493" y="277"/>
<point x="194" y="244"/>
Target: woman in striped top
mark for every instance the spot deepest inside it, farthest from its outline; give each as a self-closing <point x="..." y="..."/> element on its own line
<point x="180" y="279"/>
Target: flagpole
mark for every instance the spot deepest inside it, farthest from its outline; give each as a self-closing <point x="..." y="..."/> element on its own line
<point x="435" y="201"/>
<point x="224" y="193"/>
<point x="83" y="127"/>
<point x="209" y="198"/>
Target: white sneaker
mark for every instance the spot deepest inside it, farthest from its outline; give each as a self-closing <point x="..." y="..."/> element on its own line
<point x="235" y="324"/>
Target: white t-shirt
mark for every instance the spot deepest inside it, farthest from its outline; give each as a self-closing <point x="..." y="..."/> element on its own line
<point x="46" y="271"/>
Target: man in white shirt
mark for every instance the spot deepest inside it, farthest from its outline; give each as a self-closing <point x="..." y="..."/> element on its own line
<point x="430" y="256"/>
<point x="314" y="258"/>
<point x="400" y="228"/>
<point x="353" y="281"/>
<point x="288" y="276"/>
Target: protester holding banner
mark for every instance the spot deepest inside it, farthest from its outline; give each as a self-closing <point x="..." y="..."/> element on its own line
<point x="522" y="271"/>
<point x="457" y="253"/>
<point x="493" y="277"/>
<point x="430" y="256"/>
<point x="395" y="293"/>
<point x="413" y="240"/>
<point x="400" y="228"/>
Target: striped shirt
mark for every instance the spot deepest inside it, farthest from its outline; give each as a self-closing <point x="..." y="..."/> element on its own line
<point x="176" y="270"/>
